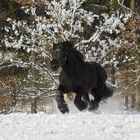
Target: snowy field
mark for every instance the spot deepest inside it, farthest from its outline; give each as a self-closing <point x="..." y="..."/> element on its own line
<point x="108" y="123"/>
<point x="77" y="126"/>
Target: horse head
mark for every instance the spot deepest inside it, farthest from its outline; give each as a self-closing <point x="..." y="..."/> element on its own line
<point x="61" y="53"/>
<point x="58" y="56"/>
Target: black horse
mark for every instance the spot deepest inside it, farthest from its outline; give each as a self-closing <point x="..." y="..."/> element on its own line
<point x="79" y="77"/>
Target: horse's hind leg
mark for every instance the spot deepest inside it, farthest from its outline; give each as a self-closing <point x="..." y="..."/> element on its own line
<point x="97" y="93"/>
<point x="60" y="100"/>
<point x="86" y="98"/>
<point x="81" y="105"/>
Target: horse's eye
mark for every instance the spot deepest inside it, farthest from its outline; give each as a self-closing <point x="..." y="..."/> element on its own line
<point x="57" y="50"/>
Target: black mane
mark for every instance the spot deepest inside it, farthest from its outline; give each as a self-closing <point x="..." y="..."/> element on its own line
<point x="69" y="49"/>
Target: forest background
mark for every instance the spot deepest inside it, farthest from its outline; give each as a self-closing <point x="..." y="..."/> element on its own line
<point x="105" y="31"/>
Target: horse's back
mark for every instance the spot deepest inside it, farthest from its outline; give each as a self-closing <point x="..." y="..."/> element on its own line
<point x="89" y="75"/>
<point x="102" y="75"/>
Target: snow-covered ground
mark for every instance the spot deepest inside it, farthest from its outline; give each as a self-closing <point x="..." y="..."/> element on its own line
<point x="77" y="126"/>
<point x="108" y="123"/>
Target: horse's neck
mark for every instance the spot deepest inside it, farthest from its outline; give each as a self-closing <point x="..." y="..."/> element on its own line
<point x="71" y="67"/>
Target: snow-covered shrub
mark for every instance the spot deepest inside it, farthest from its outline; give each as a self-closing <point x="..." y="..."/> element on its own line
<point x="63" y="21"/>
<point x="102" y="41"/>
<point x="66" y="20"/>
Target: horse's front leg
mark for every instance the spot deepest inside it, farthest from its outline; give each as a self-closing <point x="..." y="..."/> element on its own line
<point x="60" y="100"/>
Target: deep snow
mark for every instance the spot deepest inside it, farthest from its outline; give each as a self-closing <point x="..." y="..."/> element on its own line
<point x="109" y="122"/>
<point x="73" y="126"/>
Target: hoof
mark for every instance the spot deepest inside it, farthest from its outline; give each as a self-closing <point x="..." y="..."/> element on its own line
<point x="93" y="106"/>
<point x="81" y="105"/>
<point x="63" y="108"/>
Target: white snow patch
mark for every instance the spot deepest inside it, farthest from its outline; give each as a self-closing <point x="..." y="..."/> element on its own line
<point x="108" y="123"/>
<point x="77" y="126"/>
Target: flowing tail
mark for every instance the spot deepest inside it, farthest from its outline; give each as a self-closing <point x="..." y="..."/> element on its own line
<point x="108" y="92"/>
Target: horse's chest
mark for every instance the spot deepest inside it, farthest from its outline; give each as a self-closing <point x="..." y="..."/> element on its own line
<point x="75" y="82"/>
<point x="68" y="81"/>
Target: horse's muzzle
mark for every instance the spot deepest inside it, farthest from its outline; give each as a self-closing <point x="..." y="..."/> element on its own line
<point x="54" y="65"/>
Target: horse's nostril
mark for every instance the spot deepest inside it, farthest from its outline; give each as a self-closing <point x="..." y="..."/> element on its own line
<point x="53" y="66"/>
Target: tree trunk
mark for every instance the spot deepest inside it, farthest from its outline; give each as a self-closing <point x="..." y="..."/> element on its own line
<point x="126" y="100"/>
<point x="113" y="75"/>
<point x="138" y="6"/>
<point x="32" y="85"/>
<point x="133" y="100"/>
<point x="114" y="5"/>
<point x="132" y="5"/>
<point x="138" y="22"/>
<point x="34" y="105"/>
<point x="138" y="99"/>
<point x="138" y="43"/>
